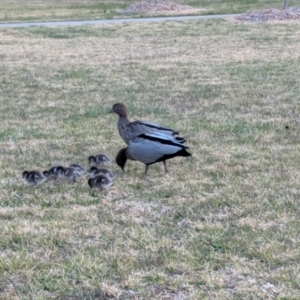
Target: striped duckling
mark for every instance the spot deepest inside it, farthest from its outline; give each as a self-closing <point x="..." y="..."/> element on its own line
<point x="68" y="173"/>
<point x="78" y="168"/>
<point x="52" y="173"/>
<point x="33" y="177"/>
<point x="129" y="130"/>
<point x="99" y="160"/>
<point x="100" y="182"/>
<point x="93" y="172"/>
<point x="150" y="149"/>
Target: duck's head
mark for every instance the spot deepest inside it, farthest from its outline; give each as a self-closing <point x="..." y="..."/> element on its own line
<point x="120" y="109"/>
<point x="121" y="158"/>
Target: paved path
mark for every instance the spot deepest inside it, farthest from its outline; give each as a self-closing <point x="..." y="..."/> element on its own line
<point x="116" y="21"/>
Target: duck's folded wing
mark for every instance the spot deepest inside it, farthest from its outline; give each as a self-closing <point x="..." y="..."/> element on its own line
<point x="138" y="127"/>
<point x="151" y="149"/>
<point x="163" y="139"/>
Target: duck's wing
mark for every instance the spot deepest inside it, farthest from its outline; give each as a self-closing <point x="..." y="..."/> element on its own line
<point x="152" y="148"/>
<point x="138" y="127"/>
<point x="163" y="139"/>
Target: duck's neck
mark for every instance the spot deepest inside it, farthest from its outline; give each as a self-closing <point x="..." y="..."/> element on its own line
<point x="123" y="122"/>
<point x="124" y="129"/>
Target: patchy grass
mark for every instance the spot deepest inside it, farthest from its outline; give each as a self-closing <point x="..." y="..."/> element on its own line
<point x="222" y="225"/>
<point x="38" y="10"/>
<point x="241" y="6"/>
<point x="59" y="10"/>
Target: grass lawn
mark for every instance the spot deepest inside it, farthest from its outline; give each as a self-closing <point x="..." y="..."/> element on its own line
<point x="221" y="225"/>
<point x="40" y="10"/>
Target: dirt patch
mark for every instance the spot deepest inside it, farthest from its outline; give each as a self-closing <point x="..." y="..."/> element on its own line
<point x="163" y="7"/>
<point x="272" y="14"/>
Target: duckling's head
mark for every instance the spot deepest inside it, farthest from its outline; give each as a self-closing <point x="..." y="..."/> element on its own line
<point x="46" y="174"/>
<point x="121" y="158"/>
<point x="91" y="159"/>
<point x="93" y="169"/>
<point x="24" y="174"/>
<point x="120" y="109"/>
<point x="60" y="170"/>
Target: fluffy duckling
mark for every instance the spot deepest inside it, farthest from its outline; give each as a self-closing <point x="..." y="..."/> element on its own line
<point x="150" y="149"/>
<point x="68" y="173"/>
<point x="99" y="160"/>
<point x="100" y="182"/>
<point x="129" y="130"/>
<point x="78" y="168"/>
<point x="93" y="172"/>
<point x="52" y="173"/>
<point x="33" y="177"/>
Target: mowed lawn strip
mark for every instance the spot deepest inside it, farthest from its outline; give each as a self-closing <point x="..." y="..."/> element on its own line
<point x="54" y="10"/>
<point x="223" y="224"/>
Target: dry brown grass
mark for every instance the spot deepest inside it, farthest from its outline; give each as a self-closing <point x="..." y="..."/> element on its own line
<point x="222" y="225"/>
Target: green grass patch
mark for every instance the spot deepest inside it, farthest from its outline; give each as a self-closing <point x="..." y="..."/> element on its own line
<point x="222" y="224"/>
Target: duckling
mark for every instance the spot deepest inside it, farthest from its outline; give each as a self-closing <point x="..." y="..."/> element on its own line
<point x="68" y="173"/>
<point x="33" y="177"/>
<point x="93" y="172"/>
<point x="100" y="182"/>
<point x="99" y="160"/>
<point x="52" y="173"/>
<point x="78" y="168"/>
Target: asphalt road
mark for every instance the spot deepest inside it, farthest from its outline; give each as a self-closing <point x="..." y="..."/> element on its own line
<point x="116" y="21"/>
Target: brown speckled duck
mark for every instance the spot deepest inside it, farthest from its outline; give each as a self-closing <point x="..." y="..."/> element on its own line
<point x="129" y="130"/>
<point x="100" y="182"/>
<point x="33" y="177"/>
